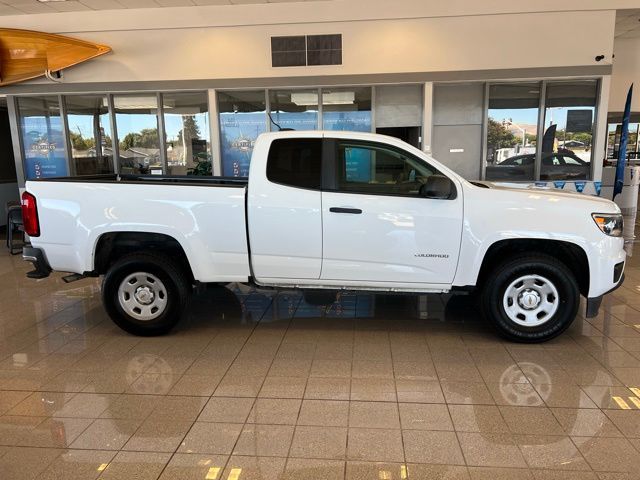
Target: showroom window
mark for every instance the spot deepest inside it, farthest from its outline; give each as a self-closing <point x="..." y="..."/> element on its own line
<point x="90" y="136"/>
<point x="187" y="133"/>
<point x="43" y="144"/>
<point x="129" y="133"/>
<point x="243" y="116"/>
<point x="138" y="140"/>
<point x="346" y="109"/>
<point x="568" y="130"/>
<point x="246" y="114"/>
<point x="562" y="150"/>
<point x="296" y="109"/>
<point x="614" y="132"/>
<point x="511" y="131"/>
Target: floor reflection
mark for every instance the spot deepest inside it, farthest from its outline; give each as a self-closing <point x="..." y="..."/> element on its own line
<point x="258" y="383"/>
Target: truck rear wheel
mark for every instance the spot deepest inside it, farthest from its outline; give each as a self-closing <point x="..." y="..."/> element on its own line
<point x="145" y="294"/>
<point x="530" y="298"/>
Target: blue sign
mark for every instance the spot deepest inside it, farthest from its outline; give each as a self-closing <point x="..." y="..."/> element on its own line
<point x="43" y="142"/>
<point x="358" y="121"/>
<point x="238" y="133"/>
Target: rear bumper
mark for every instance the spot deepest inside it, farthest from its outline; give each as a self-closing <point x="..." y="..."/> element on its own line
<point x="36" y="257"/>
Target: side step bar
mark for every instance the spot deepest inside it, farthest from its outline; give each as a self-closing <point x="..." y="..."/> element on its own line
<point x="74" y="277"/>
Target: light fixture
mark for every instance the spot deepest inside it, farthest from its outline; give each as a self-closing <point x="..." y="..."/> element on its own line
<point x="305" y="99"/>
<point x="135" y="103"/>
<point x="51" y="1"/>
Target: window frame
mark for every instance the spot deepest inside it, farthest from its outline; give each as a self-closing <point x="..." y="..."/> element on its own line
<point x="331" y="171"/>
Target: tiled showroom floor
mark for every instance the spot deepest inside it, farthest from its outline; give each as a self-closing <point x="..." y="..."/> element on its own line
<point x="259" y="385"/>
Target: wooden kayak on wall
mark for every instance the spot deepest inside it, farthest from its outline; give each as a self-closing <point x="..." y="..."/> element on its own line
<point x="25" y="54"/>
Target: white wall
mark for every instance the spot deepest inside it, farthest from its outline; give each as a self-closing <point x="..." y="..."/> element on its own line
<point x="381" y="46"/>
<point x="626" y="70"/>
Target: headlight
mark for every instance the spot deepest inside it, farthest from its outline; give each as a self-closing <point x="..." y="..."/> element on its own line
<point x="610" y="223"/>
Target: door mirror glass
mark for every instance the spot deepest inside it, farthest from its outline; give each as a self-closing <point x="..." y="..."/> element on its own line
<point x="438" y="186"/>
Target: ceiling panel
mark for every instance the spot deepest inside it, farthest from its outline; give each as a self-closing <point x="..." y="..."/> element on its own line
<point x="17" y="7"/>
<point x="628" y="23"/>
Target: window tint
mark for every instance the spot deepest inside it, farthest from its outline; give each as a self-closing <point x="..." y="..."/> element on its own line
<point x="376" y="168"/>
<point x="295" y="162"/>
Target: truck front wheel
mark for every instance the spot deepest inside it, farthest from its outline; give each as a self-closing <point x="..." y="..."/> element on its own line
<point x="531" y="298"/>
<point x="145" y="294"/>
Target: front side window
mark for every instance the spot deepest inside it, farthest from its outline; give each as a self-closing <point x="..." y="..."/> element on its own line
<point x="372" y="168"/>
<point x="295" y="162"/>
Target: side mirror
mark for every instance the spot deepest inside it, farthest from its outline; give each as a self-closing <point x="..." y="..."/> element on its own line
<point x="437" y="186"/>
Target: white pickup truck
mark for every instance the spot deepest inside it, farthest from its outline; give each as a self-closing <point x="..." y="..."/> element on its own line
<point x="329" y="210"/>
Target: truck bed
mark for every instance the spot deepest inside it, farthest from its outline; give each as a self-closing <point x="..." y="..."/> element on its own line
<point x="209" y="223"/>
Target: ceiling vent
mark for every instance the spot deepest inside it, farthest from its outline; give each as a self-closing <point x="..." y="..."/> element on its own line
<point x="309" y="50"/>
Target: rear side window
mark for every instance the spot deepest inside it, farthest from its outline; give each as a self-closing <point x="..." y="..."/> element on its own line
<point x="295" y="162"/>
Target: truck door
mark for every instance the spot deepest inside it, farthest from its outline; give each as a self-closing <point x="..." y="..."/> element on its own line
<point x="284" y="207"/>
<point x="376" y="225"/>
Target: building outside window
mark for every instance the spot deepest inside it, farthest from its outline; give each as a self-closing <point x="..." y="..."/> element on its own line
<point x="346" y="109"/>
<point x="170" y="133"/>
<point x="516" y="151"/>
<point x="43" y="148"/>
<point x="187" y="133"/>
<point x="296" y="109"/>
<point x="614" y="132"/>
<point x="568" y="130"/>
<point x="243" y="117"/>
<point x="137" y="127"/>
<point x="89" y="134"/>
<point x="512" y="126"/>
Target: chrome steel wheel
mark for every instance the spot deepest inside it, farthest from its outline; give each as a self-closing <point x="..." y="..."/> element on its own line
<point x="531" y="300"/>
<point x="143" y="296"/>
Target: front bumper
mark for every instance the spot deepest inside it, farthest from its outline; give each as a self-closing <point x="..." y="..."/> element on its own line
<point x="36" y="257"/>
<point x="593" y="303"/>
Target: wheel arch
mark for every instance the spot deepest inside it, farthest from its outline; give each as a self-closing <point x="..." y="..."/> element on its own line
<point x="573" y="256"/>
<point x="112" y="245"/>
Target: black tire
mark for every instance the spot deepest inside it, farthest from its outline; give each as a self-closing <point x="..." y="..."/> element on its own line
<point x="175" y="292"/>
<point x="492" y="297"/>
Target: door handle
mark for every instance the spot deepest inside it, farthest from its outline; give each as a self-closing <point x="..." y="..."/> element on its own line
<point x="355" y="211"/>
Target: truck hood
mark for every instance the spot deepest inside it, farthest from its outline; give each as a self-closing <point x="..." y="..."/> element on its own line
<point x="532" y="192"/>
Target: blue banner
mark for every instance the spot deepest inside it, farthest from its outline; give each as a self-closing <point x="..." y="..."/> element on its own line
<point x="598" y="187"/>
<point x="43" y="147"/>
<point x="622" y="152"/>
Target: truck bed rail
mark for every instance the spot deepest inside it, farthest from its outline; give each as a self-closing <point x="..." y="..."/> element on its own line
<point x="152" y="179"/>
